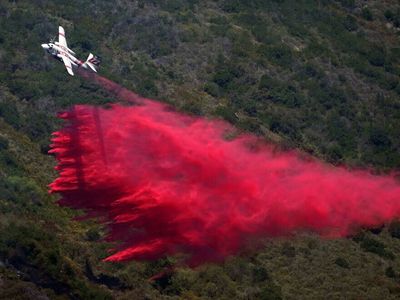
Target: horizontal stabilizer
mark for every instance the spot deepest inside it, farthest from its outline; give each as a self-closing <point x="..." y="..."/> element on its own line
<point x="92" y="61"/>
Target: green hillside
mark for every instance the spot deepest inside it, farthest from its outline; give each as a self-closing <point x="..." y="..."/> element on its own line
<point x="320" y="76"/>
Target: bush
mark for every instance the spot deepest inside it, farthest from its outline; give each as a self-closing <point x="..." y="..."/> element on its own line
<point x="334" y="153"/>
<point x="9" y="112"/>
<point x="280" y="55"/>
<point x="267" y="82"/>
<point x="376" y="247"/>
<point x="393" y="17"/>
<point x="348" y="3"/>
<point x="341" y="262"/>
<point x="367" y="14"/>
<point x="250" y="125"/>
<point x="271" y="292"/>
<point x="3" y="143"/>
<point x="288" y="250"/>
<point x="273" y="90"/>
<point x="8" y="161"/>
<point x="227" y="113"/>
<point x="147" y="87"/>
<point x="21" y="190"/>
<point x="282" y="125"/>
<point x="310" y="70"/>
<point x="389" y="272"/>
<point x="212" y="89"/>
<point x="350" y="23"/>
<point x="379" y="139"/>
<point x="225" y="75"/>
<point x="376" y="56"/>
<point x="394" y="229"/>
<point x="93" y="235"/>
<point x="260" y="274"/>
<point x="377" y="230"/>
<point x="233" y="6"/>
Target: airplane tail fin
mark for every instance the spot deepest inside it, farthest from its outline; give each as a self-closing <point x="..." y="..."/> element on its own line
<point x="92" y="62"/>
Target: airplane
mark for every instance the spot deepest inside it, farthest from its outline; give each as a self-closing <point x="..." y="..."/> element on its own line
<point x="60" y="51"/>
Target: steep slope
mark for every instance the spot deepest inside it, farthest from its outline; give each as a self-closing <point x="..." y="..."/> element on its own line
<point x="322" y="76"/>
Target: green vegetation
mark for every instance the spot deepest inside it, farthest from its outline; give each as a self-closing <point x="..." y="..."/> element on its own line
<point x="322" y="76"/>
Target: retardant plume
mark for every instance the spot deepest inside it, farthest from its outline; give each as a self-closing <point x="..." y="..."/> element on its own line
<point x="168" y="183"/>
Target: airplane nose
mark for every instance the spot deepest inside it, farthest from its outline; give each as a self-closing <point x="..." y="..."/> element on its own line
<point x="45" y="46"/>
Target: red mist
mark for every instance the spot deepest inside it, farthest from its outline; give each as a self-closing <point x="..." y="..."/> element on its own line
<point x="166" y="183"/>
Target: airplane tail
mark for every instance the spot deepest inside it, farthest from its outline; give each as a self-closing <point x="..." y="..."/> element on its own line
<point x="92" y="62"/>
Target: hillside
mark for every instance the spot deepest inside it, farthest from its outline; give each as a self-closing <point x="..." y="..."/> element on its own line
<point x="320" y="76"/>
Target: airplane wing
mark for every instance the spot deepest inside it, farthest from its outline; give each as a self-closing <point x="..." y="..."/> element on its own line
<point x="61" y="37"/>
<point x="67" y="64"/>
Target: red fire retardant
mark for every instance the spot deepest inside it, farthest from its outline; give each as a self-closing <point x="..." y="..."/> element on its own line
<point x="167" y="183"/>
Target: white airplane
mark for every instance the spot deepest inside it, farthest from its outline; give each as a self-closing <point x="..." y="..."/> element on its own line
<point x="61" y="51"/>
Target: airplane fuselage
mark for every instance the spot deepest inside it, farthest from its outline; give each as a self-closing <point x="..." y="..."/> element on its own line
<point x="58" y="50"/>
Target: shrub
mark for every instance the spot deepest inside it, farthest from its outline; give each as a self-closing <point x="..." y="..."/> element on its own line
<point x="260" y="274"/>
<point x="389" y="272"/>
<point x="21" y="190"/>
<point x="348" y="3"/>
<point x="251" y="125"/>
<point x="341" y="262"/>
<point x="374" y="246"/>
<point x="288" y="250"/>
<point x="393" y="17"/>
<point x="225" y="75"/>
<point x="334" y="154"/>
<point x="267" y="82"/>
<point x="377" y="229"/>
<point x="394" y="229"/>
<point x="376" y="56"/>
<point x="350" y="23"/>
<point x="9" y="112"/>
<point x="271" y="292"/>
<point x="3" y="143"/>
<point x="367" y="14"/>
<point x="227" y="113"/>
<point x="379" y="139"/>
<point x="280" y="55"/>
<point x="310" y="70"/>
<point x="147" y="87"/>
<point x="212" y="89"/>
<point x="93" y="235"/>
